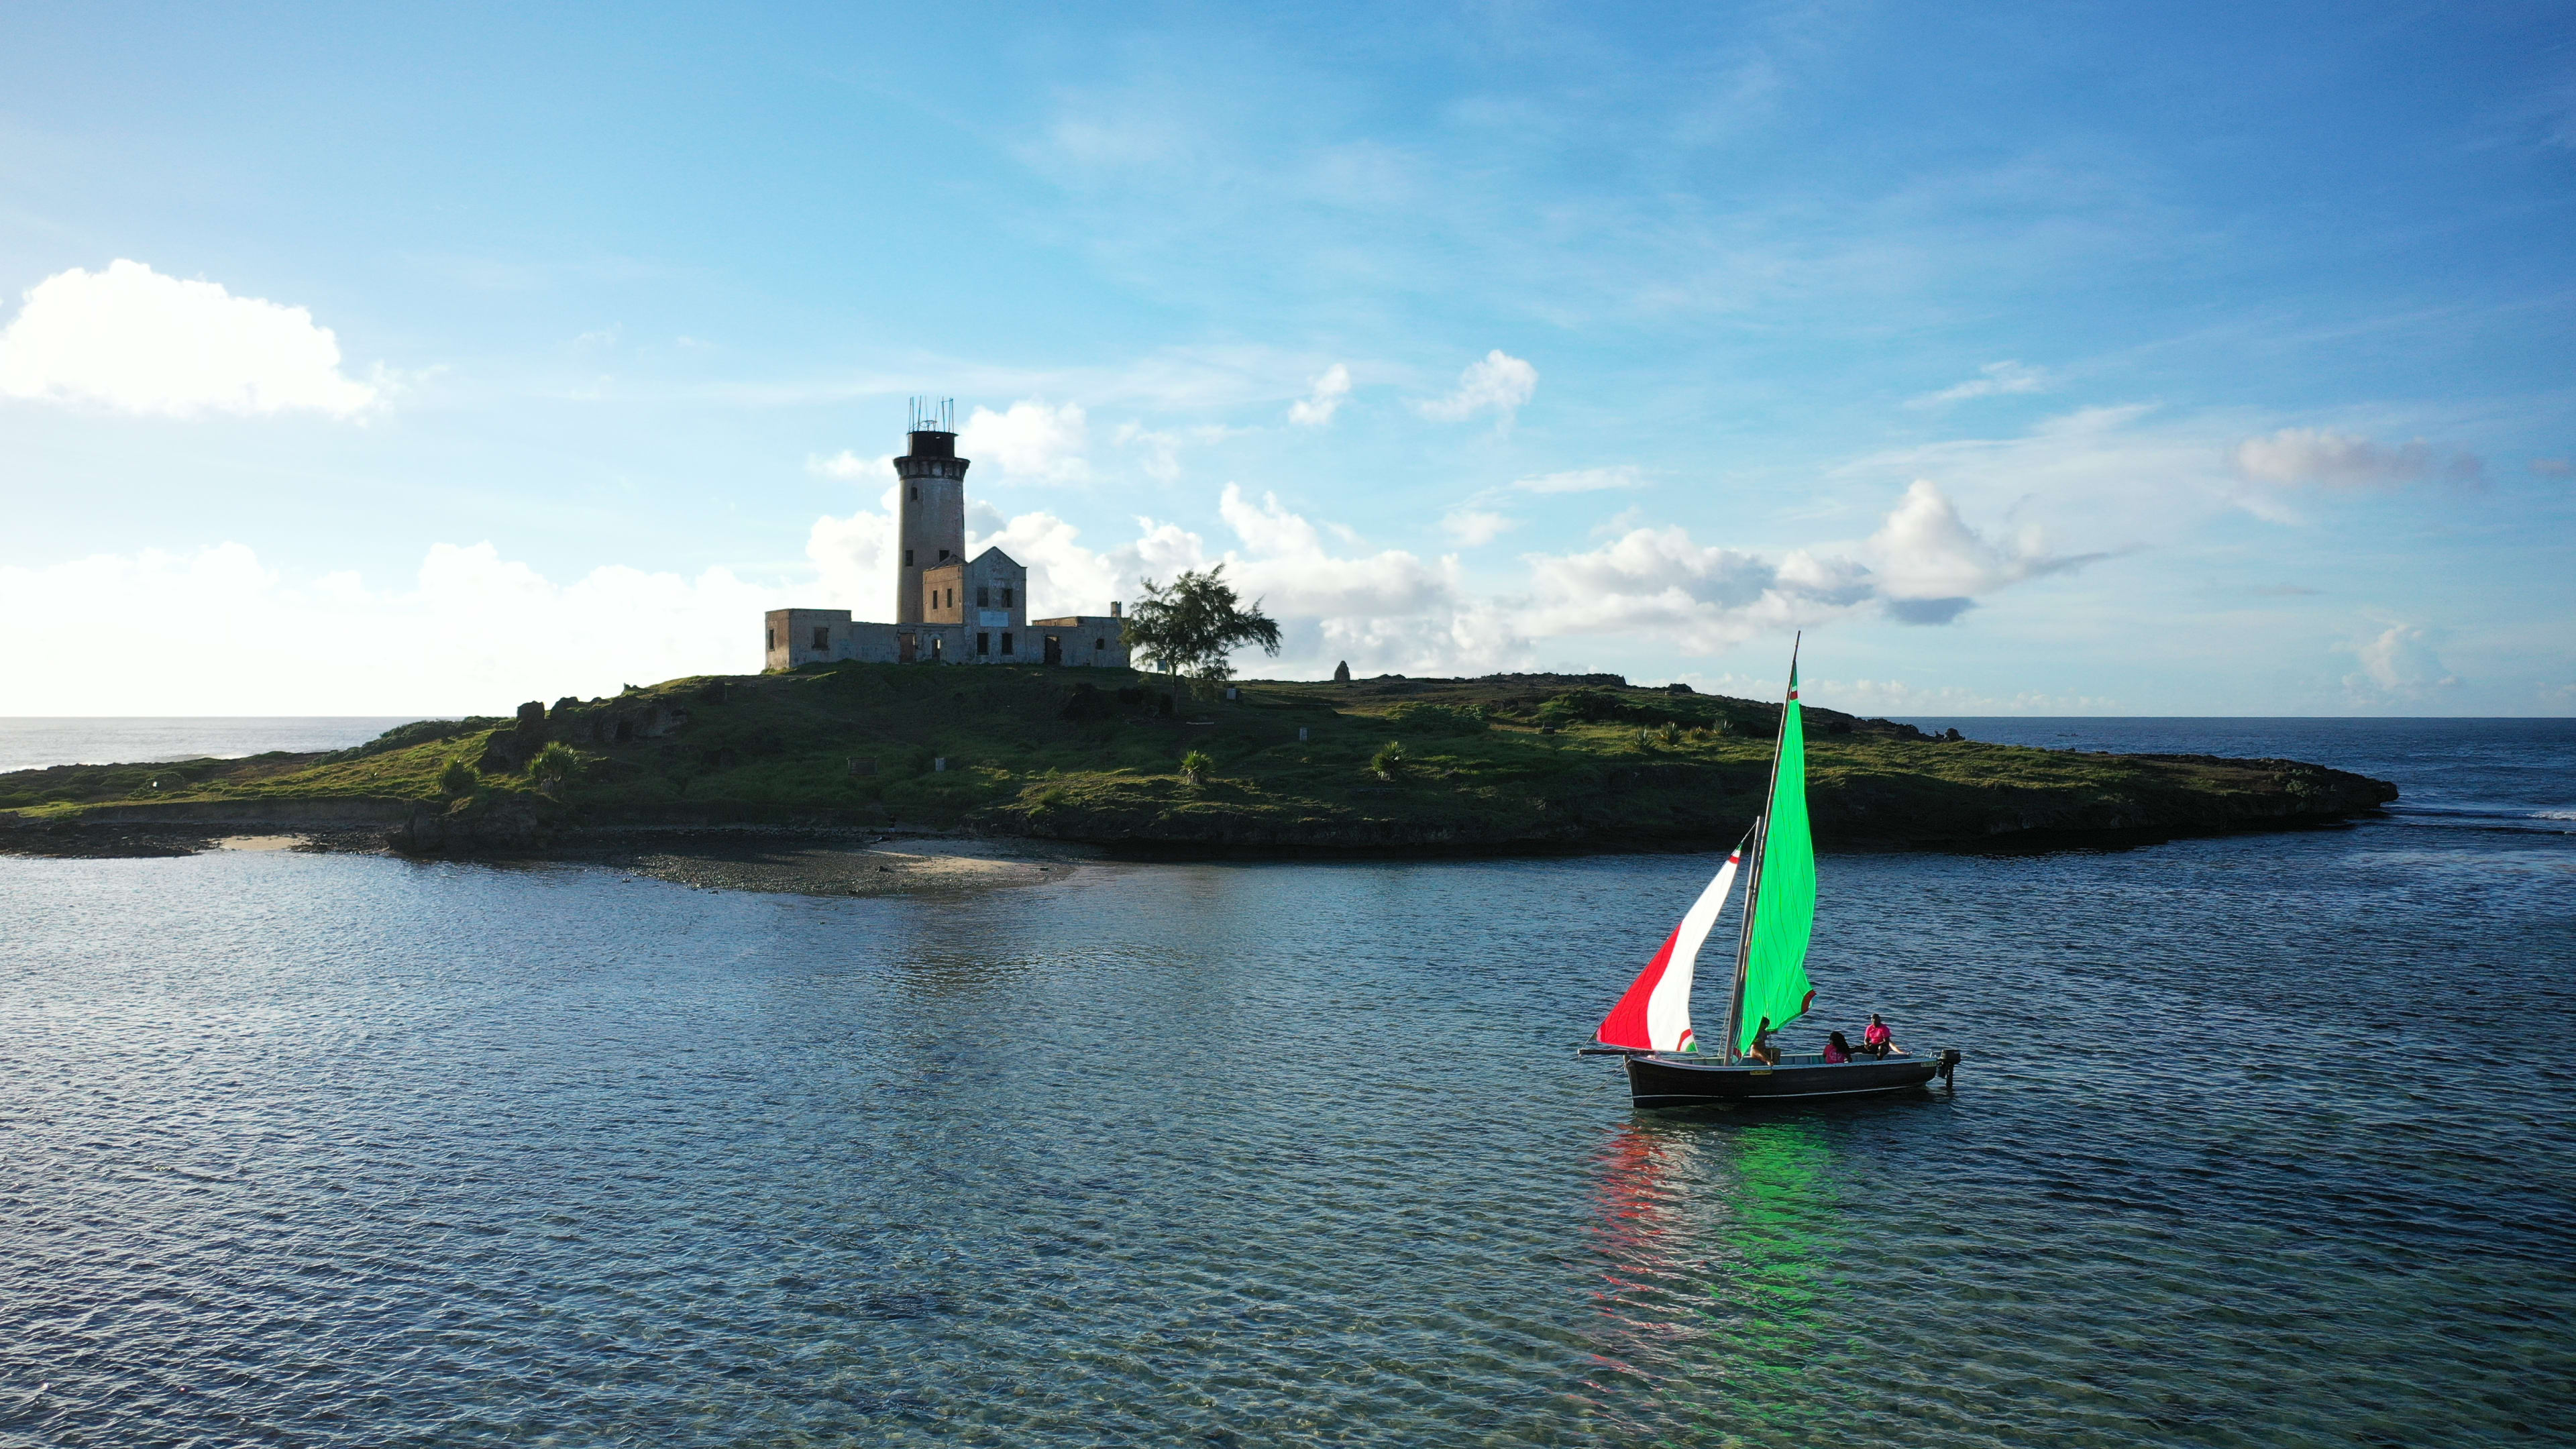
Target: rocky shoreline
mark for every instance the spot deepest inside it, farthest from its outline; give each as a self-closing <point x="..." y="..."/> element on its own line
<point x="1112" y="761"/>
<point x="2292" y="796"/>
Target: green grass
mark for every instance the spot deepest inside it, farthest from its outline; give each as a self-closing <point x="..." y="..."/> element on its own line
<point x="1486" y="764"/>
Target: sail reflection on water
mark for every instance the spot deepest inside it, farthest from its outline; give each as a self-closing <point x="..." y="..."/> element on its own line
<point x="1718" y="1280"/>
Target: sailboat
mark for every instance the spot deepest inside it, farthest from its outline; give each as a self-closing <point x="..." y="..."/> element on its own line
<point x="1650" y="1028"/>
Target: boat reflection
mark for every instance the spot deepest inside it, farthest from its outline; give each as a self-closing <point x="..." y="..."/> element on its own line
<point x="1719" y="1247"/>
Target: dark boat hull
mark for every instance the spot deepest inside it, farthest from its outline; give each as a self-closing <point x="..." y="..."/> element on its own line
<point x="1680" y="1080"/>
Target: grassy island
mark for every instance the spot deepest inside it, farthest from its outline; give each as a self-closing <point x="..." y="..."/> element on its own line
<point x="1137" y="761"/>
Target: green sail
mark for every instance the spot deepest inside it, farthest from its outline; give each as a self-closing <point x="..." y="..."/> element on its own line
<point x="1784" y="902"/>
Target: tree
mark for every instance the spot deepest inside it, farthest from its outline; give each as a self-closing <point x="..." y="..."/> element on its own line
<point x="1194" y="626"/>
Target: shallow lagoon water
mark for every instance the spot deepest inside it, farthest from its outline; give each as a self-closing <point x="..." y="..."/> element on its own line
<point x="346" y="1150"/>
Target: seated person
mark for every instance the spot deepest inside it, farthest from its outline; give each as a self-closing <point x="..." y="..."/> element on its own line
<point x="1837" y="1050"/>
<point x="1877" y="1042"/>
<point x="1765" y="1050"/>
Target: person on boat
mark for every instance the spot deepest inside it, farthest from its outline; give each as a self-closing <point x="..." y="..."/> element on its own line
<point x="1765" y="1051"/>
<point x="1877" y="1042"/>
<point x="1837" y="1050"/>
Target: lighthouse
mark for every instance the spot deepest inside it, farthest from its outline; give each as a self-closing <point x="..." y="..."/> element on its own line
<point x="931" y="514"/>
<point x="948" y="608"/>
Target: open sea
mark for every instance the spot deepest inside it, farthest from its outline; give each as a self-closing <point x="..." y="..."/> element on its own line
<point x="2266" y="1140"/>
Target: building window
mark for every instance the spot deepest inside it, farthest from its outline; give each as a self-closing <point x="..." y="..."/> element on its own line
<point x="952" y="598"/>
<point x="943" y="555"/>
<point x="907" y="558"/>
<point x="983" y="643"/>
<point x="768" y="638"/>
<point x="1006" y="596"/>
<point x="983" y="598"/>
<point x="1006" y="643"/>
<point x="915" y="492"/>
<point x="1095" y="646"/>
<point x="822" y="636"/>
<point x="938" y="647"/>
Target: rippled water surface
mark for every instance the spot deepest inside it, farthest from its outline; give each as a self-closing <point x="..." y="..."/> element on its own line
<point x="2256" y="1144"/>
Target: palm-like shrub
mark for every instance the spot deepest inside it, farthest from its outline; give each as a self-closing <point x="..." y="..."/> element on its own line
<point x="1196" y="766"/>
<point x="554" y="765"/>
<point x="1389" y="761"/>
<point x="458" y="778"/>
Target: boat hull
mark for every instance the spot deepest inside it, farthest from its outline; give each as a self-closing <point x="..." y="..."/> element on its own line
<point x="1678" y="1080"/>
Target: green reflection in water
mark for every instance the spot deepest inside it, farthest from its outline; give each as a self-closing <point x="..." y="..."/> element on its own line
<point x="1720" y="1295"/>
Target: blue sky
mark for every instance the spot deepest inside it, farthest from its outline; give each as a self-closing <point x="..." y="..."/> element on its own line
<point x="2062" y="359"/>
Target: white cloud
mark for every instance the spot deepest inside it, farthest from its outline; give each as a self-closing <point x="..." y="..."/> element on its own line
<point x="2340" y="460"/>
<point x="1324" y="399"/>
<point x="849" y="465"/>
<point x="1993" y="378"/>
<point x="1500" y="383"/>
<point x="1385" y="611"/>
<point x="1031" y="440"/>
<point x="853" y="559"/>
<point x="1929" y="565"/>
<point x="471" y="633"/>
<point x="132" y="339"/>
<point x="1161" y="448"/>
<point x="1583" y="480"/>
<point x="2400" y="663"/>
<point x="1476" y="526"/>
<point x="1898" y="699"/>
<point x="1923" y="566"/>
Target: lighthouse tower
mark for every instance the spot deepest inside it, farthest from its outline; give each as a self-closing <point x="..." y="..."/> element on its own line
<point x="948" y="608"/>
<point x="932" y="510"/>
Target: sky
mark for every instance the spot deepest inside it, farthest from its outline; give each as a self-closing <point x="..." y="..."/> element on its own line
<point x="2051" y="359"/>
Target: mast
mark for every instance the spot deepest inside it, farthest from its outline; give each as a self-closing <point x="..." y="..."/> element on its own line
<point x="1744" y="936"/>
<point x="1753" y="883"/>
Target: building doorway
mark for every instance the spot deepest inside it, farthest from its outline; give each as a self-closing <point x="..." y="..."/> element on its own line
<point x="1054" y="650"/>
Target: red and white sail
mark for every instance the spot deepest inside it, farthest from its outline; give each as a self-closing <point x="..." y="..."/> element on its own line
<point x="1655" y="1014"/>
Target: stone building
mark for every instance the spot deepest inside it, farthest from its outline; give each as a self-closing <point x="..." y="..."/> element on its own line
<point x="948" y="608"/>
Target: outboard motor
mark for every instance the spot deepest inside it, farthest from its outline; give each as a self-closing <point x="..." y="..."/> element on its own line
<point x="1949" y="1059"/>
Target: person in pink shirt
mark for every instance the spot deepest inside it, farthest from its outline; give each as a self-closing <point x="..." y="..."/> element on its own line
<point x="1877" y="1042"/>
<point x="1837" y="1050"/>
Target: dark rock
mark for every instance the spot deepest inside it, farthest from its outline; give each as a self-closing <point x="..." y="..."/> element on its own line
<point x="485" y="823"/>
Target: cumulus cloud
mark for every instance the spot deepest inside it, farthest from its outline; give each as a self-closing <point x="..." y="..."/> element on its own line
<point x="471" y="632"/>
<point x="1903" y="699"/>
<point x="850" y="466"/>
<point x="1159" y="449"/>
<point x="1476" y="526"/>
<point x="2340" y="460"/>
<point x="2399" y="663"/>
<point x="1582" y="480"/>
<point x="132" y="339"/>
<point x="1322" y="400"/>
<point x="1929" y="566"/>
<point x="1499" y="383"/>
<point x="1923" y="566"/>
<point x="1032" y="440"/>
<point x="1992" y="379"/>
<point x="1389" y="610"/>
